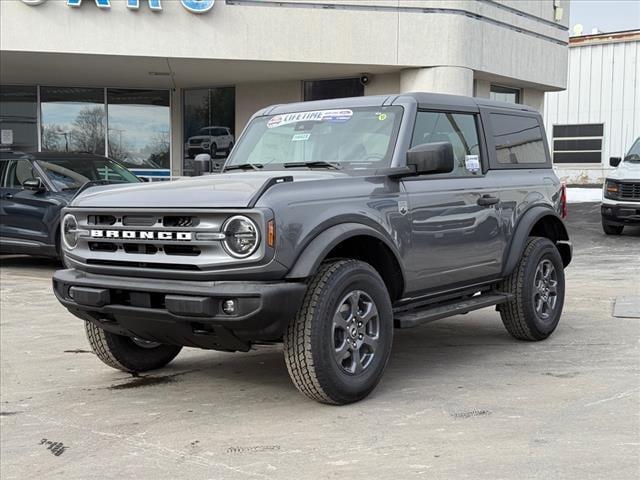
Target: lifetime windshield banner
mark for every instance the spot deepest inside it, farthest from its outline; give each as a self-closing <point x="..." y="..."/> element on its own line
<point x="194" y="6"/>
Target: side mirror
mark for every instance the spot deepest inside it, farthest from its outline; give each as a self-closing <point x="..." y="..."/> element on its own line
<point x="202" y="163"/>
<point x="614" y="161"/>
<point x="33" y="184"/>
<point x="431" y="158"/>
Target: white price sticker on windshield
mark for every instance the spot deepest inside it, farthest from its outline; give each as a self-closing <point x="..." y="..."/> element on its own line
<point x="300" y="137"/>
<point x="6" y="137"/>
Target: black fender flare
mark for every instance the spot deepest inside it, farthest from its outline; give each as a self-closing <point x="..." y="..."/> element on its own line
<point x="315" y="252"/>
<point x="523" y="230"/>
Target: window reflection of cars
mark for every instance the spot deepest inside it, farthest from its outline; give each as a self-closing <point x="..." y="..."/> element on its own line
<point x="34" y="189"/>
<point x="211" y="140"/>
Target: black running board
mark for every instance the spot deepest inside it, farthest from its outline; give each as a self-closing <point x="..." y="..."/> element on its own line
<point x="430" y="313"/>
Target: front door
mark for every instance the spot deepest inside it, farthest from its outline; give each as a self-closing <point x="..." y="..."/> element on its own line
<point x="456" y="235"/>
<point x="23" y="212"/>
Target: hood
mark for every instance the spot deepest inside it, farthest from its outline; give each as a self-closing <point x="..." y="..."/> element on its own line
<point x="228" y="190"/>
<point x="626" y="171"/>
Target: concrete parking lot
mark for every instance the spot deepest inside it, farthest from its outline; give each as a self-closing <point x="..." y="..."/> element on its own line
<point x="460" y="398"/>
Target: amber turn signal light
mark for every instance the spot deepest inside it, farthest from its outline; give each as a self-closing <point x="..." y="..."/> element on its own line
<point x="271" y="233"/>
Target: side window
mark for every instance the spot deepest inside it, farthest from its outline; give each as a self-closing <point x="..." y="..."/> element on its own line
<point x="16" y="172"/>
<point x="460" y="130"/>
<point x="518" y="139"/>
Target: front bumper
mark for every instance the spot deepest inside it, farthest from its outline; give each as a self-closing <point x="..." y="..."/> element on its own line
<point x="179" y="312"/>
<point x="620" y="214"/>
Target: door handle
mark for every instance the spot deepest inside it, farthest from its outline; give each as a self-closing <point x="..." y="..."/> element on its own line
<point x="8" y="196"/>
<point x="486" y="200"/>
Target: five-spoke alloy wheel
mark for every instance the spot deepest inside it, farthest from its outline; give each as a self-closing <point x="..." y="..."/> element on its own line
<point x="356" y="330"/>
<point x="545" y="294"/>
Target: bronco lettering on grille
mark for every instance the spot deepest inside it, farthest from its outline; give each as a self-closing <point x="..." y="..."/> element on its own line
<point x="141" y="235"/>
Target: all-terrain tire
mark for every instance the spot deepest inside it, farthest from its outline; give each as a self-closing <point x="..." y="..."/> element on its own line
<point x="612" y="229"/>
<point x="122" y="353"/>
<point x="310" y="345"/>
<point x="520" y="316"/>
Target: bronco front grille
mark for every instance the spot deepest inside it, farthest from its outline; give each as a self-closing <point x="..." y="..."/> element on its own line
<point x="174" y="239"/>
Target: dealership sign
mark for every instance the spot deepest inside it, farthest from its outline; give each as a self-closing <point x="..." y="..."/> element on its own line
<point x="194" y="6"/>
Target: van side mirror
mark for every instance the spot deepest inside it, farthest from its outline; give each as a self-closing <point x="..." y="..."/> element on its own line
<point x="33" y="184"/>
<point x="429" y="158"/>
<point x="614" y="161"/>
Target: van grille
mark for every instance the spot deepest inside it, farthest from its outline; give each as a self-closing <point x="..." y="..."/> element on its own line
<point x="629" y="191"/>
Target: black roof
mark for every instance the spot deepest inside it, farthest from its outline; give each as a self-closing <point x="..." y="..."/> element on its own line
<point x="422" y="99"/>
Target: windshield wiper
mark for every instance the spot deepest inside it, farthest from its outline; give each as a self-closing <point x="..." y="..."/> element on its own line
<point x="244" y="166"/>
<point x="316" y="164"/>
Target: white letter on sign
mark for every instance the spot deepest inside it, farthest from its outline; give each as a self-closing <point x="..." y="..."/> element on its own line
<point x="99" y="3"/>
<point x="153" y="5"/>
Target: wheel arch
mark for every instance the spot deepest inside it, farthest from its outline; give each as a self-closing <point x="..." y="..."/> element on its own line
<point x="358" y="241"/>
<point x="538" y="222"/>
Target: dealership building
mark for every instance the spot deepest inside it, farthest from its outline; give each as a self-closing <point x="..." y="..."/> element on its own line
<point x="137" y="79"/>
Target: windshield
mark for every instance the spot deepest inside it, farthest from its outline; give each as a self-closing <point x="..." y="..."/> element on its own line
<point x="72" y="173"/>
<point x="634" y="152"/>
<point x="351" y="138"/>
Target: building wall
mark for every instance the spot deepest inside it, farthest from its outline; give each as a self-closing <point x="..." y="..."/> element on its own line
<point x="603" y="87"/>
<point x="454" y="33"/>
<point x="251" y="97"/>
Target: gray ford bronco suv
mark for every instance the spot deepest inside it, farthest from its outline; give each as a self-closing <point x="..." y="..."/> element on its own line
<point x="332" y="223"/>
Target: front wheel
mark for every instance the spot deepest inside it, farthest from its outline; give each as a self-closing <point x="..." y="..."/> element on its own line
<point x="129" y="354"/>
<point x="537" y="286"/>
<point x="337" y="347"/>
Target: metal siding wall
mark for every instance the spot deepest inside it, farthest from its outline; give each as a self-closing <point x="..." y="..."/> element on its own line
<point x="603" y="86"/>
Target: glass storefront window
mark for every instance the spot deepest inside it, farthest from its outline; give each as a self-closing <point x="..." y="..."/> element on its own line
<point x="19" y="117"/>
<point x="336" y="88"/>
<point x="504" y="94"/>
<point x="139" y="128"/>
<point x="209" y="124"/>
<point x="73" y="119"/>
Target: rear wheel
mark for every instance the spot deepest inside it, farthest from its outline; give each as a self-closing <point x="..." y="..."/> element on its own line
<point x="129" y="354"/>
<point x="337" y="347"/>
<point x="612" y="229"/>
<point x="537" y="285"/>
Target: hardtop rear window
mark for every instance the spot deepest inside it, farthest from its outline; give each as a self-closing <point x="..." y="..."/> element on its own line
<point x="518" y="140"/>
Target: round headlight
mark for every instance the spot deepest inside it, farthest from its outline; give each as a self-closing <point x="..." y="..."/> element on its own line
<point x="70" y="231"/>
<point x="242" y="236"/>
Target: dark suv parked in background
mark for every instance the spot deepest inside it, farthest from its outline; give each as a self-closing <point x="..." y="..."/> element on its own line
<point x="35" y="187"/>
<point x="333" y="222"/>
